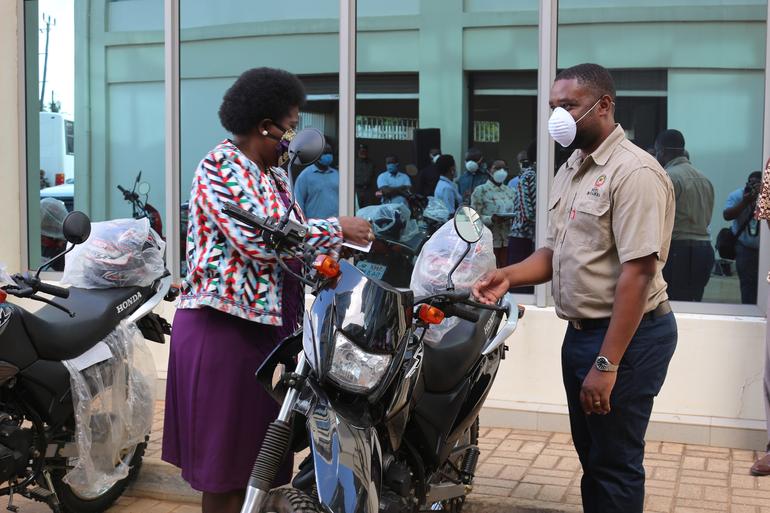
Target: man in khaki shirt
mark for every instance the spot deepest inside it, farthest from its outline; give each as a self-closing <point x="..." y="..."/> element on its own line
<point x="691" y="259"/>
<point x="611" y="212"/>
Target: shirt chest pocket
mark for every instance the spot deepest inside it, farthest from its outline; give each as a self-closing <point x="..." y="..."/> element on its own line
<point x="590" y="223"/>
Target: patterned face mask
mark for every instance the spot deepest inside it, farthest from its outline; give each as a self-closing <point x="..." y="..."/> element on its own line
<point x="282" y="148"/>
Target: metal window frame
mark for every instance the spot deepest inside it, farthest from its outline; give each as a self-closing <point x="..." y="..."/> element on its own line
<point x="22" y="113"/>
<point x="548" y="38"/>
<point x="547" y="47"/>
<point x="172" y="148"/>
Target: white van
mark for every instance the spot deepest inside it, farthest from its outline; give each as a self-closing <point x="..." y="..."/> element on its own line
<point x="57" y="148"/>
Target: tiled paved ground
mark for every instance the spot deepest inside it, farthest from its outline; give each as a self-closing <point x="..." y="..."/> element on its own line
<point x="543" y="467"/>
<point x="532" y="471"/>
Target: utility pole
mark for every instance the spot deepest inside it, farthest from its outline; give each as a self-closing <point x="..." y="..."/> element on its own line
<point x="48" y="23"/>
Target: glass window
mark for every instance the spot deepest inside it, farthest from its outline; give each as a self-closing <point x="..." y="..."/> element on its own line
<point x="219" y="41"/>
<point x="95" y="116"/>
<point x="704" y="79"/>
<point x="445" y="109"/>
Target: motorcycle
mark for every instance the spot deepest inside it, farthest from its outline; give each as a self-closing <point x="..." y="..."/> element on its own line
<point x="140" y="208"/>
<point x="389" y="429"/>
<point x="38" y="443"/>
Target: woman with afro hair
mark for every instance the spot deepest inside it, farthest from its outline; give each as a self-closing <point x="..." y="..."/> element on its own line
<point x="236" y="302"/>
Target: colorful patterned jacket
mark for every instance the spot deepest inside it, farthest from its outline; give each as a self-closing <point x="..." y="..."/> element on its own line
<point x="228" y="266"/>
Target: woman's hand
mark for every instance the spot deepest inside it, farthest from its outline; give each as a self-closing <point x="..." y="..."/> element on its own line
<point x="491" y="286"/>
<point x="356" y="230"/>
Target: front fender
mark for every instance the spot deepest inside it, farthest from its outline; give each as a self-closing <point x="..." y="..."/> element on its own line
<point x="347" y="460"/>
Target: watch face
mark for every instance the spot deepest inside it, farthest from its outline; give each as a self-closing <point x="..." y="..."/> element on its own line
<point x="602" y="363"/>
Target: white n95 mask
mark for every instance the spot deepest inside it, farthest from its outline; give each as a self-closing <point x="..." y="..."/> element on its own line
<point x="563" y="127"/>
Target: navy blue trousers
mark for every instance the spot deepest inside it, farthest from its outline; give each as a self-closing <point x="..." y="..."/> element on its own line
<point x="611" y="447"/>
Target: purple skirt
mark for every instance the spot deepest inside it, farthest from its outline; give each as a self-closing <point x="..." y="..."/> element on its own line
<point x="216" y="412"/>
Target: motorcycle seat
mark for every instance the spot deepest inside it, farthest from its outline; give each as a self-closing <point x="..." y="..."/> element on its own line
<point x="447" y="361"/>
<point x="57" y="336"/>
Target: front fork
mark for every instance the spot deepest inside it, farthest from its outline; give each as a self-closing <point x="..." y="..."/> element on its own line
<point x="273" y="450"/>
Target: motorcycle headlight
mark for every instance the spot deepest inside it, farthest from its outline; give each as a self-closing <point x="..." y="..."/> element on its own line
<point x="354" y="369"/>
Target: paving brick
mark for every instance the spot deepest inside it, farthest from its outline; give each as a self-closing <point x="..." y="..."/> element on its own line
<point x="718" y="465"/>
<point x="497" y="433"/>
<point x="529" y="477"/>
<point x="658" y="504"/>
<point x="736" y="508"/>
<point x="701" y="504"/>
<point x="544" y="461"/>
<point x="688" y="491"/>
<point x="552" y="493"/>
<point x="488" y="470"/>
<point x="671" y="448"/>
<point x="526" y="491"/>
<point x="561" y="438"/>
<point x="495" y="491"/>
<point x="532" y="447"/>
<point x="512" y="473"/>
<point x="510" y="445"/>
<point x="744" y="482"/>
<point x="715" y="494"/>
<point x="568" y="464"/>
<point x="666" y="474"/>
<point x="693" y="463"/>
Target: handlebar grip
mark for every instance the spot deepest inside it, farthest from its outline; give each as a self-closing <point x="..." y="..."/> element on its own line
<point x="462" y="312"/>
<point x="236" y="212"/>
<point x="53" y="290"/>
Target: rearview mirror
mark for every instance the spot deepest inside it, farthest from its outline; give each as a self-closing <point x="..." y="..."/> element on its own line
<point x="468" y="225"/>
<point x="306" y="147"/>
<point x="143" y="189"/>
<point x="76" y="227"/>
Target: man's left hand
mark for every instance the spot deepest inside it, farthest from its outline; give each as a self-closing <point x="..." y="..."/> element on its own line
<point x="596" y="391"/>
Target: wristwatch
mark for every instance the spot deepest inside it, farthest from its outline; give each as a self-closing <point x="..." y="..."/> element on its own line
<point x="604" y="365"/>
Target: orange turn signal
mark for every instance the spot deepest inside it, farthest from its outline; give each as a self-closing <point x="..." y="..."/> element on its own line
<point x="327" y="266"/>
<point x="430" y="314"/>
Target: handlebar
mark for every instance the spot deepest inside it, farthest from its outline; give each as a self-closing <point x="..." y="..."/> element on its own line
<point x="128" y="195"/>
<point x="47" y="288"/>
<point x="244" y="216"/>
<point x="27" y="286"/>
<point x="461" y="312"/>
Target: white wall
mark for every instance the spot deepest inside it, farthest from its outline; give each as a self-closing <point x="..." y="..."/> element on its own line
<point x="10" y="240"/>
<point x="712" y="395"/>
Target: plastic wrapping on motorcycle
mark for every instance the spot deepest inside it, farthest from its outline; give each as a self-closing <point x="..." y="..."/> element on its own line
<point x="119" y="253"/>
<point x="436" y="210"/>
<point x="391" y="221"/>
<point x="437" y="258"/>
<point x="114" y="402"/>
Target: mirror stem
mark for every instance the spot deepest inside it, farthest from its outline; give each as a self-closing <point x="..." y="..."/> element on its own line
<point x="449" y="284"/>
<point x="285" y="218"/>
<point x="51" y="261"/>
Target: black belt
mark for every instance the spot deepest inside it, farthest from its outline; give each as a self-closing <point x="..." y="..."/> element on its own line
<point x="594" y="324"/>
<point x="690" y="243"/>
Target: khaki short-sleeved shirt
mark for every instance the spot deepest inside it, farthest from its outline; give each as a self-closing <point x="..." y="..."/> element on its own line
<point x="612" y="206"/>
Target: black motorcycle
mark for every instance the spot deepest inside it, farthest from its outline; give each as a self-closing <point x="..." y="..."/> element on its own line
<point x="391" y="421"/>
<point x="37" y="424"/>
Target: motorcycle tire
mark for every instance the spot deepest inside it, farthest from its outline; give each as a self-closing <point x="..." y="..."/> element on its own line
<point x="72" y="502"/>
<point x="290" y="500"/>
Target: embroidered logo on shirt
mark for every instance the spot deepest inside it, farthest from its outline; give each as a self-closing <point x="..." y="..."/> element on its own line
<point x="600" y="181"/>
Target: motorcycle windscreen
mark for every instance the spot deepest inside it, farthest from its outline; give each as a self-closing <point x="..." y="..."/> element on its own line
<point x="371" y="313"/>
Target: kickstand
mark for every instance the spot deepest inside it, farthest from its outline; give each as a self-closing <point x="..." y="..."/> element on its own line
<point x="11" y="507"/>
<point x="53" y="499"/>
